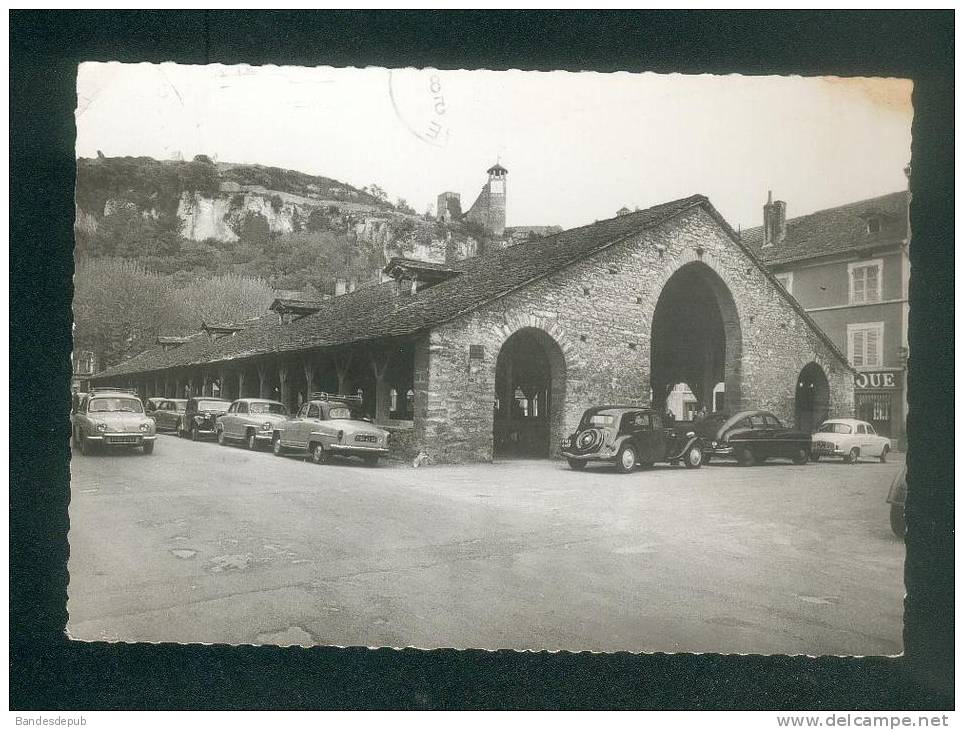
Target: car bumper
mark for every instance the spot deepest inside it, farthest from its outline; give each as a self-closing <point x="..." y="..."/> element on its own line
<point x="720" y="450"/>
<point x="351" y="449"/>
<point x="603" y="457"/>
<point x="122" y="439"/>
<point x="826" y="449"/>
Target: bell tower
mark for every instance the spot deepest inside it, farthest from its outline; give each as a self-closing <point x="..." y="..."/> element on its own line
<point x="496" y="212"/>
<point x="488" y="210"/>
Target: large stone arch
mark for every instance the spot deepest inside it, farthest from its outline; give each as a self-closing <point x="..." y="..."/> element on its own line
<point x="693" y="284"/>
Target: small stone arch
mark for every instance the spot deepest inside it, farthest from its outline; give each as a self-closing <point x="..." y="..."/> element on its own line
<point x="532" y="366"/>
<point x="811" y="402"/>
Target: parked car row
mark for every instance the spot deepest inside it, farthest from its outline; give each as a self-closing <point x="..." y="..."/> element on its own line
<point x="628" y="436"/>
<point x="325" y="426"/>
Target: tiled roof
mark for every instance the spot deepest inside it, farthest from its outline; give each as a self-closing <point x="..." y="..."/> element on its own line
<point x="835" y="230"/>
<point x="379" y="312"/>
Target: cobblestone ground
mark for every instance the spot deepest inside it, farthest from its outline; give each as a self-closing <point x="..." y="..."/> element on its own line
<point x="203" y="543"/>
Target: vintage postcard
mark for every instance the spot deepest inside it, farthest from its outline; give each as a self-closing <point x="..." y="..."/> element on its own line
<point x="475" y="359"/>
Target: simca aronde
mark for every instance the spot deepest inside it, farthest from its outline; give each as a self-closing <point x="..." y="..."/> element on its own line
<point x="325" y="426"/>
<point x="625" y="436"/>
<point x="112" y="417"/>
<point x="200" y="416"/>
<point x="752" y="437"/>
<point x="251" y="420"/>
<point x="849" y="439"/>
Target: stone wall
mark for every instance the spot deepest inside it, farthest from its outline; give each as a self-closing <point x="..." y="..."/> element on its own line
<point x="599" y="312"/>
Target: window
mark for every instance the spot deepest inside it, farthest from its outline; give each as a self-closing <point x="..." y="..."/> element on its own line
<point x="870" y="430"/>
<point x="873" y="224"/>
<point x="864" y="344"/>
<point x="865" y="281"/>
<point x="772" y="421"/>
<point x="242" y="407"/>
<point x="757" y="422"/>
<point x="786" y="281"/>
<point x="861" y="428"/>
<point x="314" y="411"/>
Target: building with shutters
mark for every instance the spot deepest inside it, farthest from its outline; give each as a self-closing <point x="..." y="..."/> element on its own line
<point x="849" y="268"/>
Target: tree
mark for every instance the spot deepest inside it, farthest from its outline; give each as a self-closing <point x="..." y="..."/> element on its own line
<point x="403" y="207"/>
<point x="376" y="192"/>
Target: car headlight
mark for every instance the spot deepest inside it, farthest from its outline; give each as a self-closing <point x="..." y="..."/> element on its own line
<point x="145" y="426"/>
<point x="102" y="427"/>
<point x="714" y="444"/>
<point x="266" y="426"/>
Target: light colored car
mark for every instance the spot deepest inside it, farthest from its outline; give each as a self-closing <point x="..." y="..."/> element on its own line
<point x="112" y="418"/>
<point x="850" y="440"/>
<point x="250" y="420"/>
<point x="326" y="426"/>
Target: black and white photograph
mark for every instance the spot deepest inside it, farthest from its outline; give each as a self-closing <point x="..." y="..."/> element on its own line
<point x="406" y="357"/>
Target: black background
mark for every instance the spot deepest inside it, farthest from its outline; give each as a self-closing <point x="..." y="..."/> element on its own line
<point x="47" y="671"/>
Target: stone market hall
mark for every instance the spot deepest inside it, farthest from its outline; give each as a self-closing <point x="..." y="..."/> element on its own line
<point x="500" y="353"/>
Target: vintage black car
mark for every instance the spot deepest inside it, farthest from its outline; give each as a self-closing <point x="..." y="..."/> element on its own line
<point x="752" y="437"/>
<point x="200" y="416"/>
<point x="625" y="436"/>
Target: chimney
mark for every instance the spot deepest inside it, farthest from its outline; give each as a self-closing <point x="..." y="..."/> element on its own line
<point x="774" y="221"/>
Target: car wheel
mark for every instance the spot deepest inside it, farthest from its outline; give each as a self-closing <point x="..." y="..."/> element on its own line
<point x="800" y="456"/>
<point x="148" y="448"/>
<point x="745" y="457"/>
<point x="222" y="439"/>
<point x="883" y="455"/>
<point x="276" y="448"/>
<point x="371" y="460"/>
<point x="252" y="441"/>
<point x="194" y="433"/>
<point x="576" y="464"/>
<point x="179" y="429"/>
<point x="626" y="459"/>
<point x="318" y="454"/>
<point x="693" y="459"/>
<point x="898" y="522"/>
<point x="853" y="455"/>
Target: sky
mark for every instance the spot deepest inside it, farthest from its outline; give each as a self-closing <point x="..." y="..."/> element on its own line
<point x="578" y="146"/>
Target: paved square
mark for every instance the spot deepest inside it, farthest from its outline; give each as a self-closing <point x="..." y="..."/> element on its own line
<point x="202" y="543"/>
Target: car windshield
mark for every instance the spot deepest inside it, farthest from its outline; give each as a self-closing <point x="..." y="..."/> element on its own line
<point x="276" y="408"/>
<point x="113" y="405"/>
<point x="339" y="412"/>
<point x="835" y="428"/>
<point x="212" y="405"/>
<point x="599" y="419"/>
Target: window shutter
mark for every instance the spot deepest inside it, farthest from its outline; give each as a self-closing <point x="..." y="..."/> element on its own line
<point x="873" y="283"/>
<point x="858" y="285"/>
<point x="873" y="347"/>
<point x="857" y="348"/>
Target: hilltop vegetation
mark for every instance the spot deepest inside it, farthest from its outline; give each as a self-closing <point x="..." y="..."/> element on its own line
<point x="140" y="260"/>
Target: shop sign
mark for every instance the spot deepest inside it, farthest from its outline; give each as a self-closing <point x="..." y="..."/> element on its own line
<point x="883" y="381"/>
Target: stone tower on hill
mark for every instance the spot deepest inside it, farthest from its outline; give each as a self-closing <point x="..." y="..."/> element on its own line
<point x="488" y="210"/>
